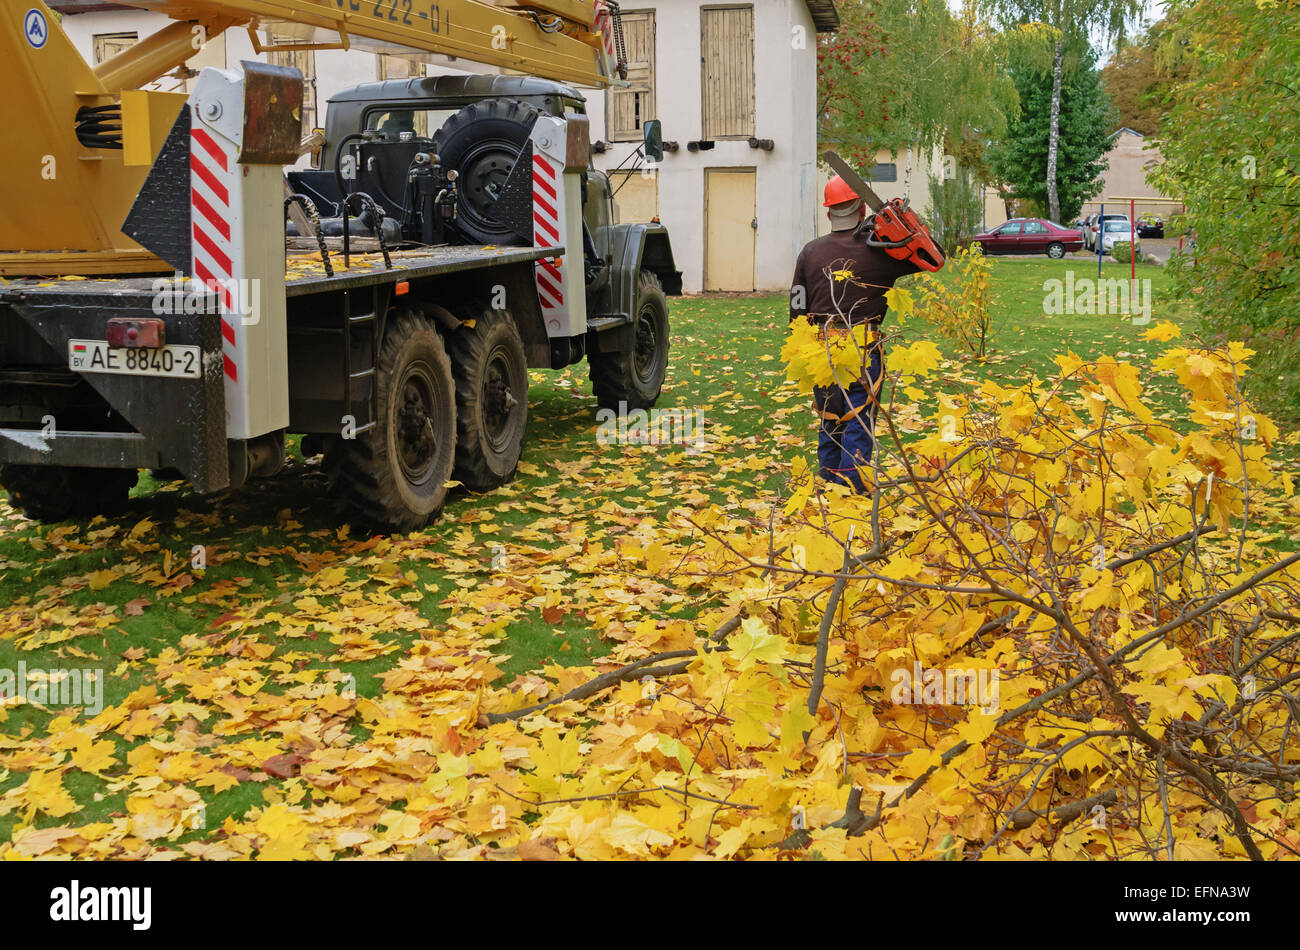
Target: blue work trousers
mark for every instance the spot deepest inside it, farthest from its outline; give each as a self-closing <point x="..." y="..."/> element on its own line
<point x="848" y="425"/>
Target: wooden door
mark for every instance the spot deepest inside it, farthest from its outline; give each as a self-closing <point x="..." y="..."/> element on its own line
<point x="730" y="229"/>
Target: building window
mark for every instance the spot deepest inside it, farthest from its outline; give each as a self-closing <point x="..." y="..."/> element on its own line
<point x="398" y="67"/>
<point x="108" y="45"/>
<point x="727" y="56"/>
<point x="636" y="196"/>
<point x="884" y="171"/>
<point x="631" y="107"/>
<point x="305" y="62"/>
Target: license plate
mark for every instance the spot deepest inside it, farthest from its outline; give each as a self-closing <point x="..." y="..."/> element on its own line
<point x="96" y="356"/>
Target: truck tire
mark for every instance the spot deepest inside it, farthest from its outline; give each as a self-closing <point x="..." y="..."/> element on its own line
<point x="635" y="375"/>
<point x="56" y="492"/>
<point x="482" y="142"/>
<point x="394" y="476"/>
<point x="491" y="374"/>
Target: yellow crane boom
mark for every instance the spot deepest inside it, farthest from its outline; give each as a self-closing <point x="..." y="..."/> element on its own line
<point x="63" y="204"/>
<point x="554" y="39"/>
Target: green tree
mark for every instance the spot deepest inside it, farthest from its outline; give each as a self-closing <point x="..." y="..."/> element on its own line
<point x="1085" y="119"/>
<point x="1130" y="79"/>
<point x="1231" y="147"/>
<point x="1139" y="80"/>
<point x="956" y="208"/>
<point x="1073" y="23"/>
<point x="907" y="74"/>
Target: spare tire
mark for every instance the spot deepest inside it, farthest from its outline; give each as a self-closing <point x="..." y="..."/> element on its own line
<point x="482" y="142"/>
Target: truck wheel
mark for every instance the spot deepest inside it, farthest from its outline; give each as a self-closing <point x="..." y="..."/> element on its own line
<point x="491" y="400"/>
<point x="394" y="476"/>
<point x="57" y="492"/>
<point x="482" y="142"/>
<point x="635" y="375"/>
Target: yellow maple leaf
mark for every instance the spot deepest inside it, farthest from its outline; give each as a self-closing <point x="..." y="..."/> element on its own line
<point x="628" y="833"/>
<point x="44" y="791"/>
<point x="802" y="482"/>
<point x="919" y="359"/>
<point x="98" y="580"/>
<point x="753" y="645"/>
<point x="1164" y="332"/>
<point x="94" y="756"/>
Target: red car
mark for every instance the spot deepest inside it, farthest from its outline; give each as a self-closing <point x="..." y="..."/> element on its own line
<point x="1030" y="236"/>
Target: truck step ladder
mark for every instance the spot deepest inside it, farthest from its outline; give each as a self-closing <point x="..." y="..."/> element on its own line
<point x="352" y="374"/>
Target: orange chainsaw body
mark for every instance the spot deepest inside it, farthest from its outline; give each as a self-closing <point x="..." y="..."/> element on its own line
<point x="899" y="231"/>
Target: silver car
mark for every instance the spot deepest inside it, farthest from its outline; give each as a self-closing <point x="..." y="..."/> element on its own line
<point x="1117" y="231"/>
<point x="1095" y="229"/>
<point x="1085" y="227"/>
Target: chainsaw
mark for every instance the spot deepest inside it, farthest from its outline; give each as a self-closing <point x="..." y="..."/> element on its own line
<point x="893" y="226"/>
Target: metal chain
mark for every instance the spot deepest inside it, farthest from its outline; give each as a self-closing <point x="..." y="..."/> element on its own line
<point x="309" y="208"/>
<point x="620" y="42"/>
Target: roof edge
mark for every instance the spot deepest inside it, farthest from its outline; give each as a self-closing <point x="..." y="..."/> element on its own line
<point x="826" y="18"/>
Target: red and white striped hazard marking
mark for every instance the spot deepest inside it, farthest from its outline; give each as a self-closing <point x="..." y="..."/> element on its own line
<point x="210" y="217"/>
<point x="605" y="24"/>
<point x="546" y="231"/>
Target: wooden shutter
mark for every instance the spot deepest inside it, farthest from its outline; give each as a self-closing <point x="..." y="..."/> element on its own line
<point x="727" y="51"/>
<point x="630" y="107"/>
<point x="108" y="45"/>
<point x="398" y="67"/>
<point x="305" y="62"/>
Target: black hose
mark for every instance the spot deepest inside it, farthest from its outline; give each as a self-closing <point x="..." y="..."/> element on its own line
<point x="379" y="185"/>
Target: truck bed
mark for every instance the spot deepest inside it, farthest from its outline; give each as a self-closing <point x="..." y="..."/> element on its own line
<point x="305" y="274"/>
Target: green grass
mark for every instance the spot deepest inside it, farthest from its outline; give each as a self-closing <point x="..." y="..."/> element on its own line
<point x="268" y="543"/>
<point x="1026" y="338"/>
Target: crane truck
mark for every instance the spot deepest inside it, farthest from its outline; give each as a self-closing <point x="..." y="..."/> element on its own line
<point x="452" y="236"/>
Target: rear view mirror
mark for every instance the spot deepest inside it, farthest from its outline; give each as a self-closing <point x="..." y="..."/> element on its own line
<point x="654" y="141"/>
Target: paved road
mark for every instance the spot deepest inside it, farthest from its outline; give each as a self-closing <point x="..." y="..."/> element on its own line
<point x="1160" y="248"/>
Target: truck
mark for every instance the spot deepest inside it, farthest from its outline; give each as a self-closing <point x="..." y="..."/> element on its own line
<point x="452" y="236"/>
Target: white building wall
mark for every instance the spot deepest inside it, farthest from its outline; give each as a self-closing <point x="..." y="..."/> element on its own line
<point x="786" y="106"/>
<point x="917" y="190"/>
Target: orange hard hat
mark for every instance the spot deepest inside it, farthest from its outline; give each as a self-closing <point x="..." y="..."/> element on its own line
<point x="838" y="192"/>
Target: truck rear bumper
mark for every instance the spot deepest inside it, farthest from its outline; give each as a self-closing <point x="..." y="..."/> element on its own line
<point x="148" y="421"/>
<point x="78" y="449"/>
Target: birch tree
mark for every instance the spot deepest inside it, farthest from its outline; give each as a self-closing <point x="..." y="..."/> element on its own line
<point x="1073" y="22"/>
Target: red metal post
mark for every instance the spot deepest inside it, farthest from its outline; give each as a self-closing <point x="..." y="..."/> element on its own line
<point x="1132" y="242"/>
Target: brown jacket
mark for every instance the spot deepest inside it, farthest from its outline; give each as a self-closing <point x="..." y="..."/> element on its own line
<point x="818" y="293"/>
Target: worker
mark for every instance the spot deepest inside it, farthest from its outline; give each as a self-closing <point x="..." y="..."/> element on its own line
<point x="840" y="282"/>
